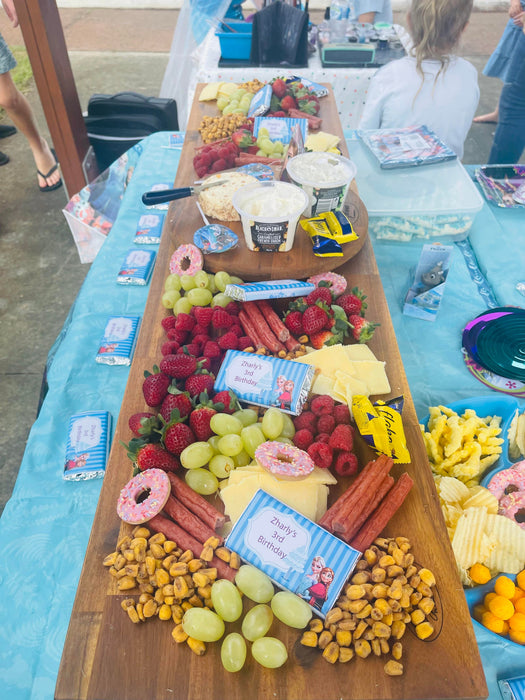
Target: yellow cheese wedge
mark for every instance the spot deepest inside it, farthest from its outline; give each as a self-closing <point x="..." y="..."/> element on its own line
<point x="323" y="385"/>
<point x="373" y="374"/>
<point x="209" y="92"/>
<point x="317" y="476"/>
<point x="359" y="351"/>
<point x="346" y="384"/>
<point x="321" y="141"/>
<point x="226" y="89"/>
<point x="327" y="360"/>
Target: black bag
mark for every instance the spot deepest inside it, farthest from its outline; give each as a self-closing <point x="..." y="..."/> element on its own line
<point x="118" y="122"/>
<point x="280" y="36"/>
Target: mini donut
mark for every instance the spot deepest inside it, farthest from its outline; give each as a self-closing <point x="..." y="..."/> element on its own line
<point x="508" y="480"/>
<point x="512" y="506"/>
<point x="284" y="460"/>
<point x="189" y="253"/>
<point x="337" y="282"/>
<point x="144" y="496"/>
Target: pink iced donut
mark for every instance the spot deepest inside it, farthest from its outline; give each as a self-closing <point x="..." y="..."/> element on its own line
<point x="283" y="459"/>
<point x="513" y="506"/>
<point x="144" y="496"/>
<point x="337" y="283"/>
<point x="508" y="480"/>
<point x="186" y="260"/>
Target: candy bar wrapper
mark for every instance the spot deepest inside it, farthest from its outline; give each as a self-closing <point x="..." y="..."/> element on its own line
<point x="381" y="426"/>
<point x="331" y="224"/>
<point x="285" y="545"/>
<point x="424" y="297"/>
<point x="265" y="381"/>
<point x="260" y="103"/>
<point x="318" y="89"/>
<point x="163" y="206"/>
<point x="137" y="267"/>
<point x="512" y="688"/>
<point x="149" y="229"/>
<point x="119" y="339"/>
<point x="274" y="289"/>
<point x="323" y="244"/>
<point x="87" y="445"/>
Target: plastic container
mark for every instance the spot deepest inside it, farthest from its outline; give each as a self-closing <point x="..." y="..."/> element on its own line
<point x="325" y="177"/>
<point x="427" y="202"/>
<point x="269" y="214"/>
<point x="235" y="45"/>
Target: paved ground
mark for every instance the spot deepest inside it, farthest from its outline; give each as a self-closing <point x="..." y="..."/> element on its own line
<point x="110" y="50"/>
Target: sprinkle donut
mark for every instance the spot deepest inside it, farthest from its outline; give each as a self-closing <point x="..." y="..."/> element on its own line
<point x="337" y="282"/>
<point x="144" y="496"/>
<point x="186" y="260"/>
<point x="508" y="481"/>
<point x="512" y="506"/>
<point x="283" y="459"/>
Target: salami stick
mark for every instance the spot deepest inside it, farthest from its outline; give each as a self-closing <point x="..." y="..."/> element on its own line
<point x="188" y="520"/>
<point x="282" y="333"/>
<point x="382" y="514"/>
<point x="263" y="330"/>
<point x="313" y="121"/>
<point x="354" y="522"/>
<point x="249" y="329"/>
<point x="292" y="344"/>
<point x="196" y="503"/>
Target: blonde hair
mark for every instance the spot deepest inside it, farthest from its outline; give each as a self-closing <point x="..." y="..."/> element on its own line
<point x="436" y="27"/>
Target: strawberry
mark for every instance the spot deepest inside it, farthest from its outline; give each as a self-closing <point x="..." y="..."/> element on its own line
<point x="143" y="424"/>
<point x="203" y="315"/>
<point x="288" y="102"/>
<point x="294" y="322"/>
<point x="279" y="87"/>
<point x="201" y="415"/>
<point x="322" y="404"/>
<point x="176" y="400"/>
<point x="362" y="330"/>
<point x="243" y="138"/>
<point x="176" y="436"/>
<point x="155" y="386"/>
<point x="179" y="366"/>
<point x="322" y="293"/>
<point x="197" y="383"/>
<point x="353" y="302"/>
<point x="318" y="340"/>
<point x="228" y="341"/>
<point x="221" y="318"/>
<point x="148" y="455"/>
<point x="228" y="399"/>
<point x="314" y="319"/>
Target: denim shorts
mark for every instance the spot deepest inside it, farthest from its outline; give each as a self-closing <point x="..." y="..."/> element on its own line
<point x="7" y="60"/>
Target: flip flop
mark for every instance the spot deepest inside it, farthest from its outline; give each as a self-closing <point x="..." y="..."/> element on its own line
<point x="6" y="130"/>
<point x="4" y="159"/>
<point x="56" y="185"/>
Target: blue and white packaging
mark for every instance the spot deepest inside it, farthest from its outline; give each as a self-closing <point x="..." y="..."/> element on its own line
<point x="149" y="229"/>
<point x="280" y="128"/>
<point x="296" y="553"/>
<point x="163" y="206"/>
<point x="512" y="688"/>
<point x="137" y="267"/>
<point x="265" y="380"/>
<point x="318" y="89"/>
<point x="273" y="289"/>
<point x="260" y="103"/>
<point x="87" y="445"/>
<point x="423" y="299"/>
<point x="118" y="342"/>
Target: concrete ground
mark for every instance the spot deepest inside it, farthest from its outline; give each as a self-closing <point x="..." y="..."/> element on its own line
<point x="110" y="50"/>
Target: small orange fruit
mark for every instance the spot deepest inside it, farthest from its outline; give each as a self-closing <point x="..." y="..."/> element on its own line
<point x="488" y="598"/>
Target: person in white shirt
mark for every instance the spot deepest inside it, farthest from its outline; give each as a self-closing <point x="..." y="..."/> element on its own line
<point x="373" y="11"/>
<point x="431" y="85"/>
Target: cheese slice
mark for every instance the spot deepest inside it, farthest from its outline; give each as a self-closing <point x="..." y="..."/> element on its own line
<point x="317" y="476"/>
<point x="359" y="351"/>
<point x="209" y="92"/>
<point x="323" y="385"/>
<point x="347" y="384"/>
<point x="327" y="360"/>
<point x="373" y="374"/>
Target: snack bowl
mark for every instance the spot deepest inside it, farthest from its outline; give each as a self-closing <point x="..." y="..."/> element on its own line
<point x="325" y="177"/>
<point x="270" y="212"/>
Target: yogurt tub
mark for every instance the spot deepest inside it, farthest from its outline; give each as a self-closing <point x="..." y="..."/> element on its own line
<point x="325" y="177"/>
<point x="269" y="214"/>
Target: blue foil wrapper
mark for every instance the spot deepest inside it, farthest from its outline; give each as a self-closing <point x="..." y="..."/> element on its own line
<point x="118" y="342"/>
<point x="512" y="688"/>
<point x="274" y="289"/>
<point x="87" y="445"/>
<point x="137" y="267"/>
<point x="149" y="229"/>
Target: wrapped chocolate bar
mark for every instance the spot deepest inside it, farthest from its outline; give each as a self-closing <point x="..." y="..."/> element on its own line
<point x="381" y="426"/>
<point x="512" y="688"/>
<point x="273" y="289"/>
<point x="265" y="381"/>
<point x="149" y="229"/>
<point x="87" y="447"/>
<point x="118" y="342"/>
<point x="137" y="267"/>
<point x="331" y="224"/>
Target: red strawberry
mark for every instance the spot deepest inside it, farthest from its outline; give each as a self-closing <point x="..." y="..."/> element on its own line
<point x="362" y="330"/>
<point x="314" y="319"/>
<point x="244" y="342"/>
<point x="228" y="400"/>
<point x="204" y="362"/>
<point x="353" y="302"/>
<point x="149" y="455"/>
<point x="322" y="404"/>
<point x="303" y="439"/>
<point x="168" y="322"/>
<point x="294" y="322"/>
<point x="342" y="438"/>
<point x="322" y="454"/>
<point x="228" y="341"/>
<point x="279" y="87"/>
<point x="203" y="315"/>
<point x="200" y="417"/>
<point x="179" y="366"/>
<point x="221" y="318"/>
<point x="176" y="436"/>
<point x="170" y="347"/>
<point x="318" y="340"/>
<point x="322" y="293"/>
<point x="325" y="423"/>
<point x="243" y="138"/>
<point x="346" y="464"/>
<point x="211" y="349"/>
<point x="155" y="386"/>
<point x="176" y="400"/>
<point x="288" y="102"/>
<point x="306" y="420"/>
<point x="143" y="424"/>
<point x="197" y="383"/>
<point x="341" y="413"/>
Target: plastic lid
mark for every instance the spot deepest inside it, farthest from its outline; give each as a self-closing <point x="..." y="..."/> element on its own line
<point x="301" y="166"/>
<point x="424" y="190"/>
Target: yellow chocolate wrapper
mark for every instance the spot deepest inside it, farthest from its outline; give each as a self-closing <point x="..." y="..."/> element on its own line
<point x="381" y="426"/>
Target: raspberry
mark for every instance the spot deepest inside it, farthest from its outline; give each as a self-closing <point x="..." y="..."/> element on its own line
<point x="184" y="322"/>
<point x="237" y="329"/>
<point x="211" y="349"/>
<point x="228" y="341"/>
<point x="232" y="308"/>
<point x="322" y="437"/>
<point x="203" y="315"/>
<point x="341" y="413"/>
<point x="306" y="420"/>
<point x="200" y="340"/>
<point x="321" y="453"/>
<point x="170" y="347"/>
<point x="325" y="423"/>
<point x="244" y="342"/>
<point x="342" y="438"/>
<point x="346" y="464"/>
<point x="221" y="318"/>
<point x="168" y="322"/>
<point x="179" y="336"/>
<point x="199" y="329"/>
<point x="303" y="439"/>
<point x="322" y="404"/>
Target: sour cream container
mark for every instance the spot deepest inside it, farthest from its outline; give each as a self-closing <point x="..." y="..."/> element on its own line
<point x="325" y="177"/>
<point x="269" y="214"/>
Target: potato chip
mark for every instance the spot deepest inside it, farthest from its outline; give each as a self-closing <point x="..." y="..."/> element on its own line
<point x="470" y="543"/>
<point x="512" y="434"/>
<point x="520" y="434"/>
<point x="452" y="490"/>
<point x="481" y="497"/>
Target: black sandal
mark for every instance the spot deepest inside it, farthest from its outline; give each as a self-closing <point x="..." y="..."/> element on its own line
<point x="50" y="188"/>
<point x="4" y="159"/>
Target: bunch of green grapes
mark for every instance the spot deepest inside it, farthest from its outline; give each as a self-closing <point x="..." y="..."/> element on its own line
<point x="237" y="103"/>
<point x="182" y="292"/>
<point x="267" y="147"/>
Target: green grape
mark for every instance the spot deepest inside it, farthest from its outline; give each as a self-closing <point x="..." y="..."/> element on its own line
<point x="242" y="459"/>
<point x="266" y="145"/>
<point x="236" y="280"/>
<point x="272" y="423"/>
<point x="211" y="283"/>
<point x="240" y="110"/>
<point x="288" y="426"/>
<point x="172" y="282"/>
<point x="262" y="153"/>
<point x="233" y="652"/>
<point x="252" y="436"/>
<point x="230" y="445"/>
<point x="239" y="94"/>
<point x="254" y="583"/>
<point x="290" y="609"/>
<point x="199" y="297"/>
<point x="224" y="424"/>
<point x="196" y="455"/>
<point x="257" y="622"/>
<point x="202" y="279"/>
<point x="182" y="306"/>
<point x="263" y="131"/>
<point x="287" y="441"/>
<point x="269" y="652"/>
<point x="247" y="416"/>
<point x="214" y="442"/>
<point x="222" y="278"/>
<point x="187" y="282"/>
<point x="202" y="481"/>
<point x="222" y="102"/>
<point x="169" y="298"/>
<point x="221" y="299"/>
<point x="226" y="600"/>
<point x="221" y="465"/>
<point x="278" y="146"/>
<point x="203" y="624"/>
<point x="228" y="109"/>
<point x="234" y="103"/>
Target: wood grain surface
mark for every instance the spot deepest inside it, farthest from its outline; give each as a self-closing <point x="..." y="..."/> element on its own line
<point x="106" y="657"/>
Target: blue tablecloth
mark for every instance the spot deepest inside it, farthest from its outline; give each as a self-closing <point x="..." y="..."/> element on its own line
<point x="46" y="524"/>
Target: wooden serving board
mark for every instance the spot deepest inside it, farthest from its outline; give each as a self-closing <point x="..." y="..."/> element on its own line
<point x="106" y="657"/>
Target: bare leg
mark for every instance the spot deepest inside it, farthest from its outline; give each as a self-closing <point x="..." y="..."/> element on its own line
<point x="491" y="117"/>
<point x="21" y="114"/>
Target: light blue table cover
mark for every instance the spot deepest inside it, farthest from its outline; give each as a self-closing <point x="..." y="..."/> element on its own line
<point x="46" y="524"/>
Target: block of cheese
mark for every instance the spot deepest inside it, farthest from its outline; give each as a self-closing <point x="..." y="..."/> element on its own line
<point x="359" y="351"/>
<point x="327" y="360"/>
<point x="373" y="374"/>
<point x="323" y="385"/>
<point x="317" y="476"/>
<point x="347" y="386"/>
<point x="209" y="92"/>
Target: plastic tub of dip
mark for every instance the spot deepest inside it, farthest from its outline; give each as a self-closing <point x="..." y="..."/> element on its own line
<point x="269" y="214"/>
<point x="325" y="177"/>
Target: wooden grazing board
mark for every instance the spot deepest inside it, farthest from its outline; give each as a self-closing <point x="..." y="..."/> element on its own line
<point x="106" y="657"/>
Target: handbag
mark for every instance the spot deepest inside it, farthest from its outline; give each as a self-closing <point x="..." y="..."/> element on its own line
<point x="280" y="36"/>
